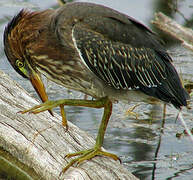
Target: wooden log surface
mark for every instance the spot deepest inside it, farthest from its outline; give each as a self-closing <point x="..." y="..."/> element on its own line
<point x="42" y="155"/>
<point x="166" y="24"/>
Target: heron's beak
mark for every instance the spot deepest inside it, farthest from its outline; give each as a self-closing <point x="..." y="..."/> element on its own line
<point x="39" y="87"/>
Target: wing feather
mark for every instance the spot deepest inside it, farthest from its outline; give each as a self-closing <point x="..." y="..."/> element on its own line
<point x="121" y="51"/>
<point x="119" y="65"/>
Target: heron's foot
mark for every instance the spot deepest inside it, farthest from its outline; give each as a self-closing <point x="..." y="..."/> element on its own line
<point x="130" y="112"/>
<point x="49" y="105"/>
<point x="86" y="155"/>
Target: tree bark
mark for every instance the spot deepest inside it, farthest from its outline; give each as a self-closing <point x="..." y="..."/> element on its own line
<point x="166" y="24"/>
<point x="37" y="144"/>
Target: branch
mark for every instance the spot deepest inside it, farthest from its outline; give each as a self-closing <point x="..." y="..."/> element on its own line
<point x="166" y="24"/>
<point x="39" y="142"/>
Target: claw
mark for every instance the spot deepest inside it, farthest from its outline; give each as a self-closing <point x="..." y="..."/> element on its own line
<point x="86" y="155"/>
<point x="48" y="105"/>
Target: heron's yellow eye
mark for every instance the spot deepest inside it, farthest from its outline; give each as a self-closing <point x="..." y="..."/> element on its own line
<point x="19" y="63"/>
<point x="22" y="68"/>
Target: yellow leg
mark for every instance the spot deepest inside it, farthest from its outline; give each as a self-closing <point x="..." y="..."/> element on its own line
<point x="96" y="150"/>
<point x="48" y="104"/>
<point x="63" y="114"/>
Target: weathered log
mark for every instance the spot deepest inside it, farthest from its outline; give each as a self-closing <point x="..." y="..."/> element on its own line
<point x="166" y="24"/>
<point x="39" y="142"/>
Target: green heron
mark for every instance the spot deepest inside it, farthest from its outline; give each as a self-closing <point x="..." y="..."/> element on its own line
<point x="95" y="50"/>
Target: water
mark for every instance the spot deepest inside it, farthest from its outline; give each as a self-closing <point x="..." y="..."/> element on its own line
<point x="147" y="146"/>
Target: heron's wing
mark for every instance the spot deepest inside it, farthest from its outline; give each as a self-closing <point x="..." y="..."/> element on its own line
<point x="124" y="29"/>
<point x="120" y="65"/>
<point x="124" y="66"/>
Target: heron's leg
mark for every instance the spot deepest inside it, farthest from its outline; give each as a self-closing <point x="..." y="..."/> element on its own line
<point x="63" y="114"/>
<point x="48" y="105"/>
<point x="96" y="150"/>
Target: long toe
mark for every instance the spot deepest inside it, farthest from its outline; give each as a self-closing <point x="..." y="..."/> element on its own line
<point x="87" y="155"/>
